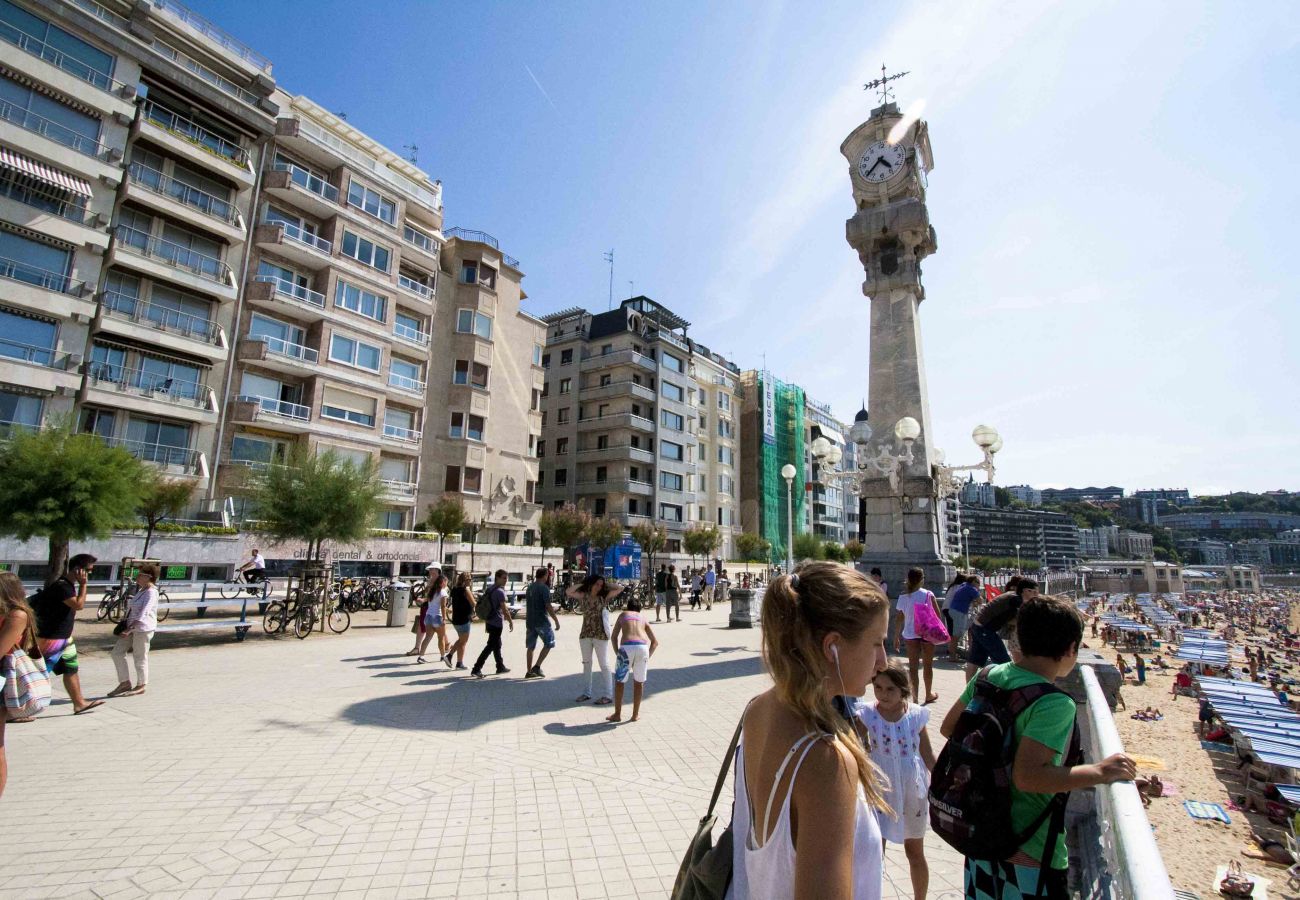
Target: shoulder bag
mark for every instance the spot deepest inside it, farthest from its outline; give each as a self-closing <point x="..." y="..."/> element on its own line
<point x="705" y="872"/>
<point x="26" y="685"/>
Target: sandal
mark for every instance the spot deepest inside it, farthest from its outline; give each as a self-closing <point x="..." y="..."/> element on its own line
<point x="604" y="701"/>
<point x="583" y="699"/>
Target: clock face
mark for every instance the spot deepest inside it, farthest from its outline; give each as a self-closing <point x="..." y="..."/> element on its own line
<point x="882" y="161"/>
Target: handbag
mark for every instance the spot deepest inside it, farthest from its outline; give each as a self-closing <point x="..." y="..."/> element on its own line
<point x="927" y="624"/>
<point x="604" y="621"/>
<point x="1235" y="883"/>
<point x="26" y="685"/>
<point x="705" y="872"/>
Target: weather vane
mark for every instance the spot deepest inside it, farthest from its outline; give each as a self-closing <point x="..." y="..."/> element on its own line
<point x="881" y="85"/>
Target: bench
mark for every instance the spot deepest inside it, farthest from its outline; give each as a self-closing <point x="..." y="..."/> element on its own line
<point x="241" y="625"/>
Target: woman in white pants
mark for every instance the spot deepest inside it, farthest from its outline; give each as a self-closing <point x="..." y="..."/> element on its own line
<point x="593" y="596"/>
<point x="141" y="623"/>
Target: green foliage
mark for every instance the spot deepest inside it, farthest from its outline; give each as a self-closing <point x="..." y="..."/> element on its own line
<point x="652" y="538"/>
<point x="701" y="540"/>
<point x="447" y="516"/>
<point x="603" y="532"/>
<point x="162" y="498"/>
<point x="808" y="546"/>
<point x="854" y="549"/>
<point x="175" y="528"/>
<point x="317" y="498"/>
<point x="1085" y="514"/>
<point x="1001" y="496"/>
<point x="65" y="487"/>
<point x="562" y="527"/>
<point x="834" y="552"/>
<point x="752" y="547"/>
<point x="994" y="563"/>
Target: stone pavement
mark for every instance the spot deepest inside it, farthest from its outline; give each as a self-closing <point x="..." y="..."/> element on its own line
<point x="334" y="766"/>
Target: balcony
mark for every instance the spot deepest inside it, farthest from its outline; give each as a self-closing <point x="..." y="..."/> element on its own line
<point x="295" y="244"/>
<point x="423" y="291"/>
<point x="422" y="243"/>
<point x="178" y="460"/>
<point x="147" y="319"/>
<point x="404" y="435"/>
<point x="623" y="388"/>
<point x="399" y="490"/>
<point x="615" y="452"/>
<point x="213" y="33"/>
<point x="41" y="368"/>
<point x="172" y="262"/>
<point x="267" y="412"/>
<point x="598" y="361"/>
<point x="302" y="190"/>
<point x="403" y="383"/>
<point x="194" y="142"/>
<point x="616" y="486"/>
<point x="279" y="355"/>
<point x="220" y="82"/>
<point x="285" y="297"/>
<point x="616" y="420"/>
<point x="411" y="335"/>
<point x="17" y="270"/>
<point x="55" y="211"/>
<point x="150" y="392"/>
<point x="482" y="237"/>
<point x="53" y="131"/>
<point x="184" y="202"/>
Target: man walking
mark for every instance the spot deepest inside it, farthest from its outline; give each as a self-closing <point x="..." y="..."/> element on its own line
<point x="672" y="595"/>
<point x="56" y="606"/>
<point x="710" y="585"/>
<point x="498" y="614"/>
<point x="537" y="606"/>
<point x="661" y="588"/>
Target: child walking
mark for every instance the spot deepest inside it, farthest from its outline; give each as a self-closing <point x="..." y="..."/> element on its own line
<point x="634" y="643"/>
<point x="900" y="747"/>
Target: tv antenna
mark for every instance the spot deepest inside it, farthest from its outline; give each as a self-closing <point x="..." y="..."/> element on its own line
<point x="412" y="151"/>
<point x="609" y="258"/>
<point x="881" y="85"/>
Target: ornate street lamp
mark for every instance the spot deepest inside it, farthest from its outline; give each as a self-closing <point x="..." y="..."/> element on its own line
<point x="788" y="472"/>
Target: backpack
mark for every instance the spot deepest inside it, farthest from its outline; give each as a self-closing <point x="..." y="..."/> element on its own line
<point x="970" y="788"/>
<point x="483" y="606"/>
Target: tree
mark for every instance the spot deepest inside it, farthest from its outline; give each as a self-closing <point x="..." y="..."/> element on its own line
<point x="808" y="546"/>
<point x="447" y="516"/>
<point x="317" y="498"/>
<point x="1001" y="496"/>
<point x="752" y="547"/>
<point x="834" y="552"/>
<point x="701" y="540"/>
<point x="602" y="533"/>
<point x="562" y="527"/>
<point x="652" y="539"/>
<point x="854" y="549"/>
<point x="162" y="499"/>
<point x="65" y="487"/>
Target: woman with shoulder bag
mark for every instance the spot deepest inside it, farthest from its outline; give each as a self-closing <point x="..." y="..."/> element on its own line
<point x="920" y="651"/>
<point x="26" y="684"/>
<point x="135" y="633"/>
<point x="593" y="598"/>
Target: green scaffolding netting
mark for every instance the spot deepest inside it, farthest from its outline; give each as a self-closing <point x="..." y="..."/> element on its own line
<point x="785" y="445"/>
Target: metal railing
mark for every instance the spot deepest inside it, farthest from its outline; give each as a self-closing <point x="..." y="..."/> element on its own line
<point x="151" y="384"/>
<point x="426" y="197"/>
<point x="8" y="428"/>
<point x="297" y="292"/>
<point x="405" y="383"/>
<point x="289" y="349"/>
<point x="57" y="203"/>
<point x="174" y="255"/>
<point x="41" y="356"/>
<point x="161" y="454"/>
<point x="213" y="78"/>
<point x="213" y="33"/>
<point x="99" y="11"/>
<point x="469" y="234"/>
<point x="282" y="408"/>
<point x="419" y="239"/>
<point x="189" y="130"/>
<point x="17" y="270"/>
<point x="397" y="432"/>
<point x="406" y="332"/>
<point x="133" y="309"/>
<point x="1134" y="869"/>
<point x="300" y="235"/>
<point x="206" y="203"/>
<point x="60" y="134"/>
<point x="309" y="181"/>
<point x="57" y="58"/>
<point x="399" y="488"/>
<point x="412" y="285"/>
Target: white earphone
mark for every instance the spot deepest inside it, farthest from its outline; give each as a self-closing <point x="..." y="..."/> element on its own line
<point x="835" y="652"/>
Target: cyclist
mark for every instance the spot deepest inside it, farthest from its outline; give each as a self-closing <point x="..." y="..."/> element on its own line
<point x="254" y="570"/>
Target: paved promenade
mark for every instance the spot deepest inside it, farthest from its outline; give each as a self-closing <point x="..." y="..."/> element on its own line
<point x="334" y="766"/>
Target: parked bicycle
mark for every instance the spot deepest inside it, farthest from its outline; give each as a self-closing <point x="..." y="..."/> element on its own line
<point x="292" y="612"/>
<point x="115" y="603"/>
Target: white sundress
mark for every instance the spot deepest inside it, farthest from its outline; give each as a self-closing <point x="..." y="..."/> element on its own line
<point x="896" y="750"/>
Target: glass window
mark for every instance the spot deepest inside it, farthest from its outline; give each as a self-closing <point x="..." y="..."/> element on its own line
<point x="670" y="512"/>
<point x="394" y="469"/>
<point x="724" y="401"/>
<point x="33" y="262"/>
<point x="473" y="480"/>
<point x="245" y="448"/>
<point x="672" y="420"/>
<point x="566" y="357"/>
<point x="470" y="322"/>
<point x="727" y="456"/>
<point x="673" y="391"/>
<point x="69" y="53"/>
<point x="562" y="415"/>
<point x="61" y="124"/>
<point x="366" y="251"/>
<point x="390" y="519"/>
<point x="404" y="373"/>
<point x="561" y="477"/>
<point x="669" y="450"/>
<point x="262" y="326"/>
<point x="670" y="480"/>
<point x="419" y="238"/>
<point x="354" y="353"/>
<point x="561" y="446"/>
<point x="399" y="418"/>
<point x="19" y="409"/>
<point x="361" y="301"/>
<point x="452" y="481"/>
<point x="537" y="355"/>
<point x="469" y="273"/>
<point x="26" y="338"/>
<point x="672" y="362"/>
<point x="157" y="441"/>
<point x="566" y="384"/>
<point x="410" y="327"/>
<point x="372" y="202"/>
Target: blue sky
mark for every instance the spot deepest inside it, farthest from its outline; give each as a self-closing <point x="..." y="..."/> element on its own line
<point x="1115" y="194"/>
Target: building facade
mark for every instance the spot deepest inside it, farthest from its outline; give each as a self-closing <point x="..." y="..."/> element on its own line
<point x="1137" y="576"/>
<point x="1134" y="544"/>
<point x="826" y="513"/>
<point x="1052" y="539"/>
<point x="1082" y="495"/>
<point x="1025" y="494"/>
<point x="774" y="433"/>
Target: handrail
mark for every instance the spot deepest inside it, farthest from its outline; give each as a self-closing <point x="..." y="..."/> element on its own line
<point x="212" y="32"/>
<point x="412" y="285"/>
<point x="404" y="488"/>
<point x="308" y="181"/>
<point x="189" y="130"/>
<point x="56" y="57"/>
<point x="174" y="254"/>
<point x="404" y="383"/>
<point x="162" y="454"/>
<point x="42" y="356"/>
<point x="17" y="270"/>
<point x="417" y="238"/>
<point x="124" y="306"/>
<point x="281" y="347"/>
<point x="60" y="134"/>
<point x="278" y="407"/>
<point x="302" y="236"/>
<point x="150" y="383"/>
<point x="409" y="435"/>
<point x="1133" y="859"/>
<point x="469" y="234"/>
<point x="99" y="11"/>
<point x="35" y="195"/>
<point x="220" y="82"/>
<point x="406" y="332"/>
<point x="154" y="180"/>
<point x="297" y="292"/>
<point x="430" y="199"/>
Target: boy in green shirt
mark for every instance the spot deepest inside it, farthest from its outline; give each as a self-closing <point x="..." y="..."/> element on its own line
<point x="1049" y="631"/>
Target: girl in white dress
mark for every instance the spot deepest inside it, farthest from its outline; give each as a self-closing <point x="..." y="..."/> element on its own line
<point x="900" y="747"/>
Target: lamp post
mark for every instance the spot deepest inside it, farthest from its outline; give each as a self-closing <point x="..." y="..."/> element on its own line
<point x="788" y="472"/>
<point x="1017" y="559"/>
<point x="965" y="548"/>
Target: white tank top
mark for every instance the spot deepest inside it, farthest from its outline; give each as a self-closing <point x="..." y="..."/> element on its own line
<point x="767" y="871"/>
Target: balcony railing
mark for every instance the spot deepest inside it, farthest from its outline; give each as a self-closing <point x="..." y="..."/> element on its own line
<point x="41" y="356"/>
<point x="431" y="199"/>
<point x="57" y="203"/>
<point x="213" y="78"/>
<point x="8" y="429"/>
<point x="412" y="285"/>
<point x="174" y="255"/>
<point x="99" y="11"/>
<point x="206" y="203"/>
<point x="308" y="181"/>
<point x="295" y="291"/>
<point x="399" y="488"/>
<point x="419" y="239"/>
<point x="160" y="454"/>
<point x="300" y="235"/>
<point x="404" y="383"/>
<point x="60" y="134"/>
<point x="287" y="349"/>
<point x="56" y="57"/>
<point x="17" y="270"/>
<point x="398" y="433"/>
<point x="482" y="237"/>
<point x="151" y="384"/>
<point x="188" y="130"/>
<point x="282" y="408"/>
<point x="414" y="335"/>
<point x="133" y="309"/>
<point x="213" y="33"/>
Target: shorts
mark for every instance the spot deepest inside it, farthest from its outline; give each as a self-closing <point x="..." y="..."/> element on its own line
<point x="462" y="629"/>
<point x="960" y="624"/>
<point x="633" y="662"/>
<point x="545" y="632"/>
<point x="672" y="598"/>
<point x="1007" y="881"/>
<point x="986" y="646"/>
<point x="60" y="655"/>
<point x="433" y="618"/>
<point x="659" y="599"/>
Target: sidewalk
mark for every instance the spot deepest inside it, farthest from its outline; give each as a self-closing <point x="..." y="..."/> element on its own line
<point x="334" y="766"/>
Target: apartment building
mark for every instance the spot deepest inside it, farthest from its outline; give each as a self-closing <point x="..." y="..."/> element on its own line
<point x="826" y="513"/>
<point x="484" y="411"/>
<point x="639" y="422"/>
<point x="129" y="154"/>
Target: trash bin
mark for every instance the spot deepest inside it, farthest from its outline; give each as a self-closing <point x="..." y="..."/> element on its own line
<point x="399" y="598"/>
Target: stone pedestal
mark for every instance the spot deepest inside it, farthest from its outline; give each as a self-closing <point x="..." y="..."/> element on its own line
<point x="902" y="531"/>
<point x="746" y="606"/>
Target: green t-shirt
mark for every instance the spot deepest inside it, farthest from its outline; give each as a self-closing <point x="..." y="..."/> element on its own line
<point x="1048" y="720"/>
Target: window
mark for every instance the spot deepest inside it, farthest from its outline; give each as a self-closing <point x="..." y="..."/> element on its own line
<point x="69" y="53"/>
<point x="470" y="322"/>
<point x="33" y="262"/>
<point x="366" y="252"/>
<point x="566" y="384"/>
<point x="724" y="428"/>
<point x="475" y="374"/>
<point x="672" y="420"/>
<point x="157" y="441"/>
<point x="372" y="203"/>
<point x="726" y="485"/>
<point x="530" y="496"/>
<point x="400" y="421"/>
<point x="406" y="375"/>
<point x="390" y="519"/>
<point x="727" y="456"/>
<point x="452" y="481"/>
<point x="561" y="446"/>
<point x="562" y="416"/>
<point x="537" y="400"/>
<point x="278" y="333"/>
<point x="419" y="238"/>
<point x="469" y="426"/>
<point x="546" y="360"/>
<point x="27" y="338"/>
<point x="672" y="362"/>
<point x="566" y="357"/>
<point x="606" y="380"/>
<point x="724" y="402"/>
<point x="673" y="391"/>
<point x="670" y="481"/>
<point x="669" y="450"/>
<point x="469" y="272"/>
<point x="21" y="411"/>
<point x="537" y="355"/>
<point x="347" y="407"/>
<point x="363" y="302"/>
<point x="561" y="477"/>
<point x="670" y="512"/>
<point x="602" y="441"/>
<point x="63" y="124"/>
<point x="487" y="276"/>
<point x="410" y="327"/>
<point x="602" y="474"/>
<point x="354" y="353"/>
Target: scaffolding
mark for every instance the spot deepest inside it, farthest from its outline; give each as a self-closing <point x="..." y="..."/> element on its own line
<point x="782" y="423"/>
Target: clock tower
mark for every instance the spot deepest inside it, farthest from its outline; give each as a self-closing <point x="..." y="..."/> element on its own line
<point x="889" y="156"/>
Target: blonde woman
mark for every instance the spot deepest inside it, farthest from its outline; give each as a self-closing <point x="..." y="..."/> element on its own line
<point x="806" y="791"/>
<point x="141" y="623"/>
<point x="17" y="632"/>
